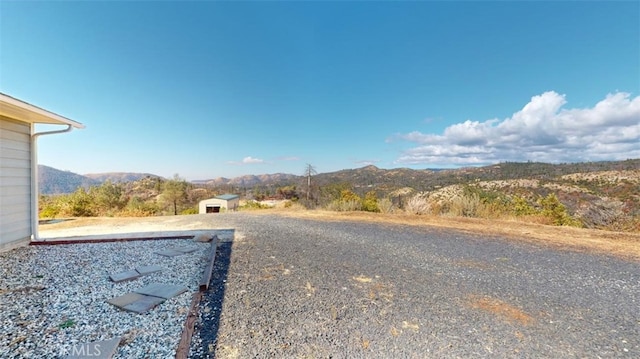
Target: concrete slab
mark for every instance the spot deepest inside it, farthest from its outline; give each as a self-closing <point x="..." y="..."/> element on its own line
<point x="170" y="253"/>
<point x="123" y="276"/>
<point x="162" y="290"/>
<point x="143" y="270"/>
<point x="143" y="304"/>
<point x="125" y="299"/>
<point x="105" y="349"/>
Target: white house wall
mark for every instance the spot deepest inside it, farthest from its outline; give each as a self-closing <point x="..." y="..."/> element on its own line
<point x="15" y="182"/>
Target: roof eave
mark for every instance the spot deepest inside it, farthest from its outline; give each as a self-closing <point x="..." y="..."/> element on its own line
<point x="25" y="112"/>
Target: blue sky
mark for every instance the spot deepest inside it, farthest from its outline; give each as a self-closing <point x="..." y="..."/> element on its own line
<point x="210" y="89"/>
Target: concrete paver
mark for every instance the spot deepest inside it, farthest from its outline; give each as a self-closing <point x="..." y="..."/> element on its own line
<point x="144" y="304"/>
<point x="185" y="250"/>
<point x="162" y="290"/>
<point x="170" y="253"/>
<point x="125" y="299"/>
<point x="143" y="270"/>
<point x="123" y="276"/>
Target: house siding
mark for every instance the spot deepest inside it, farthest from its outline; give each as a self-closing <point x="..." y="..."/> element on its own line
<point x="15" y="182"/>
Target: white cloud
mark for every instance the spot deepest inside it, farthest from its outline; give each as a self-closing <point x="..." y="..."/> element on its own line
<point x="247" y="160"/>
<point x="250" y="160"/>
<point x="541" y="131"/>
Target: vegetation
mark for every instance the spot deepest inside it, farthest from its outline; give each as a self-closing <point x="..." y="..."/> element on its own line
<point x="602" y="195"/>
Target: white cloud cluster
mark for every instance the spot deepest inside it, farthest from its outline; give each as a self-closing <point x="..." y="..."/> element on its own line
<point x="541" y="131"/>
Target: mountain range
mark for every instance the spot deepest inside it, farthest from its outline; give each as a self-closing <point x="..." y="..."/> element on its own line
<point x="54" y="181"/>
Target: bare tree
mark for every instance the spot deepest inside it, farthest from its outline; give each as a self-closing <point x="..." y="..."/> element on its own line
<point x="309" y="171"/>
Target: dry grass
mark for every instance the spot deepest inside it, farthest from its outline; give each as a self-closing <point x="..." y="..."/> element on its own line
<point x="620" y="244"/>
<point x="502" y="310"/>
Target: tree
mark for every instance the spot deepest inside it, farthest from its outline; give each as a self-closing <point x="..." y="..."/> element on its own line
<point x="174" y="192"/>
<point x="108" y="197"/>
<point x="309" y="171"/>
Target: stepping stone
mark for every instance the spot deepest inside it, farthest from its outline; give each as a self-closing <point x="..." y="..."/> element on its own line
<point x="170" y="253"/>
<point x="143" y="270"/>
<point x="128" y="275"/>
<point x="143" y="304"/>
<point x="161" y="290"/>
<point x="185" y="250"/>
<point x="105" y="349"/>
<point x="134" y="302"/>
<point x="125" y="299"/>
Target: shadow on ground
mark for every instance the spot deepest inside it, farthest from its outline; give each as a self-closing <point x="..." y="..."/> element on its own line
<point x="211" y="304"/>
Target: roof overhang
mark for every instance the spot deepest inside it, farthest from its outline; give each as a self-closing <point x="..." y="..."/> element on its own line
<point x="25" y="112"/>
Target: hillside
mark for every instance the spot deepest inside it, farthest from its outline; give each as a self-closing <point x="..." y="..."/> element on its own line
<point x="250" y="180"/>
<point x="119" y="177"/>
<point x="386" y="181"/>
<point x="54" y="181"/>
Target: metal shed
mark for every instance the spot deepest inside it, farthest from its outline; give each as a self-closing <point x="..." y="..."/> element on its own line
<point x="229" y="202"/>
<point x="19" y="167"/>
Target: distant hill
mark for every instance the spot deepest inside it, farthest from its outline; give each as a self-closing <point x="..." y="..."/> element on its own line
<point x="119" y="177"/>
<point x="385" y="181"/>
<point x="54" y="181"/>
<point x="250" y="180"/>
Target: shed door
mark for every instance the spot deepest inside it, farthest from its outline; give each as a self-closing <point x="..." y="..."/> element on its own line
<point x="213" y="209"/>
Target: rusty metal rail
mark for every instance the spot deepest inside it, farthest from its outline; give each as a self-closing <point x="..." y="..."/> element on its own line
<point x="208" y="270"/>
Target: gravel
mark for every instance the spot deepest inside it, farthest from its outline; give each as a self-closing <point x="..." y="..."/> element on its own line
<point x="286" y="287"/>
<point x="53" y="298"/>
<point x="301" y="288"/>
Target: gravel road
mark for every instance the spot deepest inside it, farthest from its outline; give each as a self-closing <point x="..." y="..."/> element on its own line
<point x="302" y="288"/>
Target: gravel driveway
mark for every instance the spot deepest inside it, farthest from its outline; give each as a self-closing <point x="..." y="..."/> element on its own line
<point x="301" y="288"/>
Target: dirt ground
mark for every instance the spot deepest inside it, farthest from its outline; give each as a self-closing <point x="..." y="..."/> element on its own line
<point x="619" y="244"/>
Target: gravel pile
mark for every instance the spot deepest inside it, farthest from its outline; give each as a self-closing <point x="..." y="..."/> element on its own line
<point x="53" y="298"/>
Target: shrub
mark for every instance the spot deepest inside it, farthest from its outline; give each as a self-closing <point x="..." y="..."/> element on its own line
<point x="521" y="207"/>
<point x="466" y="205"/>
<point x="417" y="204"/>
<point x="80" y="204"/>
<point x="370" y="202"/>
<point x="553" y="209"/>
<point x="344" y="206"/>
<point x="385" y="205"/>
<point x="191" y="210"/>
<point x="348" y="201"/>
<point x="139" y="208"/>
<point x="605" y="214"/>
<point x="250" y="205"/>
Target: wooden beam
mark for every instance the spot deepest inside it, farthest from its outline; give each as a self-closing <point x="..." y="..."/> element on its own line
<point x="182" y="352"/>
